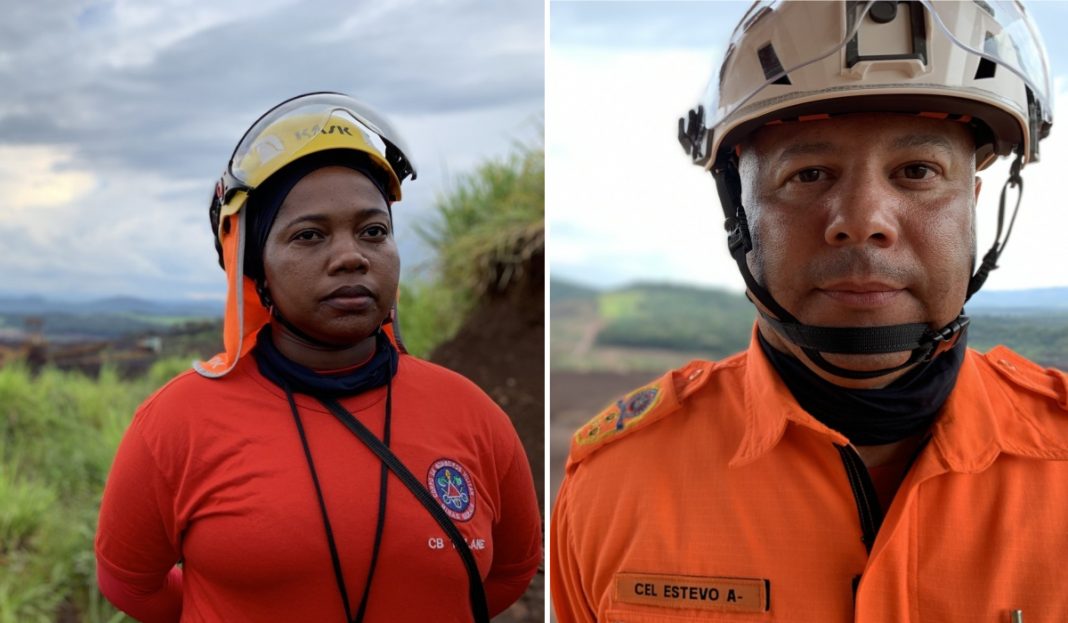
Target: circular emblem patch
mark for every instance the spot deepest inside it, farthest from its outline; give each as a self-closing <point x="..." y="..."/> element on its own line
<point x="636" y="404"/>
<point x="451" y="486"/>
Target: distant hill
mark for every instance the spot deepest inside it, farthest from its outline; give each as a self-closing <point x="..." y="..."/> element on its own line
<point x="105" y="318"/>
<point x="643" y="326"/>
<point x="564" y="290"/>
<point x="112" y="305"/>
<point x="1019" y="300"/>
<point x="656" y="325"/>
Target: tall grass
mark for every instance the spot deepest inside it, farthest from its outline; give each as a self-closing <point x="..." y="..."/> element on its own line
<point x="58" y="434"/>
<point x="491" y="222"/>
<point x="484" y="233"/>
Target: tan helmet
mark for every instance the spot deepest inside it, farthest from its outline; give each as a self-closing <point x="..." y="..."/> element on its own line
<point x="980" y="61"/>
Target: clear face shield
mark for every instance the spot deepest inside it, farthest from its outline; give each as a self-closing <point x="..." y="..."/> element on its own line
<point x="835" y="50"/>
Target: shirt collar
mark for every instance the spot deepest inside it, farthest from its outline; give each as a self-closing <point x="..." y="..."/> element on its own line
<point x="769" y="406"/>
<point x="982" y="417"/>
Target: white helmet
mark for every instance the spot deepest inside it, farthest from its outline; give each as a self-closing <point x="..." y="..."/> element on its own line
<point x="980" y="62"/>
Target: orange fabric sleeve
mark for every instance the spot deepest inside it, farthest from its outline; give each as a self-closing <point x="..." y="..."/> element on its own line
<point x="565" y="582"/>
<point x="136" y="543"/>
<point x="516" y="534"/>
<point x="163" y="605"/>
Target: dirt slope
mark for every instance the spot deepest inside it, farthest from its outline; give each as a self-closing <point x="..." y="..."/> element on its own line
<point x="501" y="347"/>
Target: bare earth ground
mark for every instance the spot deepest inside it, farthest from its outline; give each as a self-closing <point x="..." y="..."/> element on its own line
<point x="502" y="349"/>
<point x="575" y="397"/>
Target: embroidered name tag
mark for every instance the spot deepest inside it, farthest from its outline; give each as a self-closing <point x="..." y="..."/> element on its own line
<point x="688" y="591"/>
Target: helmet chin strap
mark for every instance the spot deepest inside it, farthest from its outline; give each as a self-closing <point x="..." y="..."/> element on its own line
<point x="292" y="328"/>
<point x="922" y="342"/>
<point x="265" y="298"/>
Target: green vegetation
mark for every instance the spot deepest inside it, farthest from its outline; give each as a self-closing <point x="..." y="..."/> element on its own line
<point x="488" y="233"/>
<point x="430" y="313"/>
<point x="1040" y="336"/>
<point x="491" y="223"/>
<point x="676" y="317"/>
<point x="644" y="327"/>
<point x="58" y="435"/>
<point x="162" y="322"/>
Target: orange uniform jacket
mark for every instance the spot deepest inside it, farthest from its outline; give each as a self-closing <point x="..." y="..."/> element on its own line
<point x="212" y="472"/>
<point x="710" y="495"/>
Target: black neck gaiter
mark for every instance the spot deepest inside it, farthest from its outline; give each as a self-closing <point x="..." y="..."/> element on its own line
<point x="869" y="417"/>
<point x="294" y="377"/>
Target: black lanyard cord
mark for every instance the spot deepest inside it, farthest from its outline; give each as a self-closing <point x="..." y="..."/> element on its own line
<point x="476" y="592"/>
<point x="335" y="558"/>
<point x="380" y="524"/>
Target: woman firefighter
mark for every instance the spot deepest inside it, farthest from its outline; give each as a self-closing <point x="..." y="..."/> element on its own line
<point x="314" y="471"/>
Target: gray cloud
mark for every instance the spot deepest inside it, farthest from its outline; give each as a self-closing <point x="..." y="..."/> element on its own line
<point x="648" y="24"/>
<point x="151" y="99"/>
<point x="187" y="103"/>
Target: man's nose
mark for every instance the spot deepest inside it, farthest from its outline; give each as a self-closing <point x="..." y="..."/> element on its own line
<point x="864" y="209"/>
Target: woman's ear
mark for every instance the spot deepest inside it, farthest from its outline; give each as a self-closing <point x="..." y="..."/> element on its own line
<point x="265" y="294"/>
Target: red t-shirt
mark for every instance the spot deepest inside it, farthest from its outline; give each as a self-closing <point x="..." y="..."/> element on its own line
<point x="212" y="473"/>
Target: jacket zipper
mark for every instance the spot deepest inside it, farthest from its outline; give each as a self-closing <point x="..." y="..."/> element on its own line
<point x="871" y="514"/>
<point x="868" y="507"/>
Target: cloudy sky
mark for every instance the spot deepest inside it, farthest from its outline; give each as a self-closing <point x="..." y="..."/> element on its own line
<point x="626" y="205"/>
<point x="117" y="116"/>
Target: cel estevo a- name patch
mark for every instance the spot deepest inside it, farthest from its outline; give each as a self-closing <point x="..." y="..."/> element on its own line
<point x="721" y="594"/>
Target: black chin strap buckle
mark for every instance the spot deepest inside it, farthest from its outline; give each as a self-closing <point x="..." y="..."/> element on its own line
<point x="691" y="131"/>
<point x="1015" y="179"/>
<point x="738" y="239"/>
<point x="990" y="262"/>
<point x="947" y="332"/>
<point x="946" y="337"/>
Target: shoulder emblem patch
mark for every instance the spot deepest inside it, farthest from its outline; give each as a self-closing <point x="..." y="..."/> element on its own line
<point x="626" y="412"/>
<point x="638" y="409"/>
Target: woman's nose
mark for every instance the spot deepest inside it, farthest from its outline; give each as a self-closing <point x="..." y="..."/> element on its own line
<point x="348" y="255"/>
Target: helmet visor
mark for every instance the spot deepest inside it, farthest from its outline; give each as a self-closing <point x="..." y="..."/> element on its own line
<point x="286" y="131"/>
<point x="1016" y="45"/>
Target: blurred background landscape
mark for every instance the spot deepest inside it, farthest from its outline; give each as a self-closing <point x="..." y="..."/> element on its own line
<point x="116" y="119"/>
